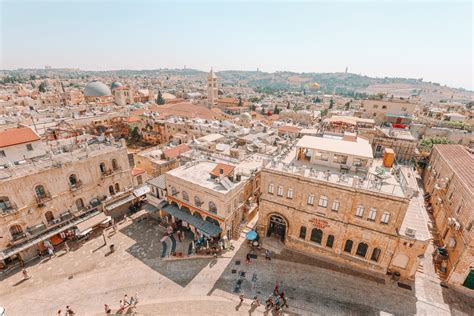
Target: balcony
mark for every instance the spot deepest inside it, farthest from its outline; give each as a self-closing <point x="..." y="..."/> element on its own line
<point x="8" y="208"/>
<point x="75" y="186"/>
<point x="110" y="172"/>
<point x="18" y="237"/>
<point x="41" y="200"/>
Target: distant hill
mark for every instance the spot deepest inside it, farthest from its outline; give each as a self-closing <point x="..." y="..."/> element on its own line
<point x="340" y="83"/>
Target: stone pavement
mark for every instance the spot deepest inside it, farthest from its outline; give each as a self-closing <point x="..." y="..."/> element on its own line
<point x="90" y="276"/>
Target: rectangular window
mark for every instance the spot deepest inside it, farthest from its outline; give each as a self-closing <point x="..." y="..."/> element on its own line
<point x="385" y="218"/>
<point x="335" y="206"/>
<point x="322" y="156"/>
<point x="2" y="153"/>
<point x="289" y="194"/>
<point x="372" y="214"/>
<point x="340" y="159"/>
<point x="310" y="199"/>
<point x="270" y="188"/>
<point x="280" y="191"/>
<point x="360" y="211"/>
<point x="29" y="147"/>
<point x="323" y="201"/>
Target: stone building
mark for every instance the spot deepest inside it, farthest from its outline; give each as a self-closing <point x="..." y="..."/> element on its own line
<point x="43" y="197"/>
<point x="217" y="193"/>
<point x="330" y="198"/>
<point x="449" y="181"/>
<point x="17" y="145"/>
<point x="393" y="111"/>
<point x="212" y="90"/>
<point x="401" y="141"/>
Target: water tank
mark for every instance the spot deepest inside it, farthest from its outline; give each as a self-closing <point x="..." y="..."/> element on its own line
<point x="388" y="157"/>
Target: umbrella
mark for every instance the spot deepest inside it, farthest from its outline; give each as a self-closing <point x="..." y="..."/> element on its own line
<point x="251" y="235"/>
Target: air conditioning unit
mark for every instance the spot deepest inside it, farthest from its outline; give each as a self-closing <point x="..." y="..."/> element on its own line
<point x="410" y="232"/>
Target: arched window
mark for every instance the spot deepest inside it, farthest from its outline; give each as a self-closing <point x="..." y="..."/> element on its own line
<point x="16" y="231"/>
<point x="330" y="241"/>
<point x="103" y="168"/>
<point x="49" y="216"/>
<point x="115" y="165"/>
<point x="40" y="191"/>
<point x="117" y="187"/>
<point x="185" y="196"/>
<point x="73" y="180"/>
<point x="79" y="204"/>
<point x="375" y="254"/>
<point x="111" y="190"/>
<point x="316" y="235"/>
<point x="348" y="246"/>
<point x="5" y="204"/>
<point x="212" y="207"/>
<point x="362" y="249"/>
<point x="197" y="215"/>
<point x="197" y="201"/>
<point x="302" y="232"/>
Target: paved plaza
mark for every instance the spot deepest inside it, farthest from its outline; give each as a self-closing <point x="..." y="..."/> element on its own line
<point x="89" y="276"/>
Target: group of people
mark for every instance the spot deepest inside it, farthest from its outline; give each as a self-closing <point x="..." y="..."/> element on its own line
<point x="276" y="301"/>
<point x="124" y="304"/>
<point x="68" y="312"/>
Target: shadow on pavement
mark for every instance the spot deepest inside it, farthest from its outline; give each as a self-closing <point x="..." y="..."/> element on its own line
<point x="313" y="289"/>
<point x="149" y="249"/>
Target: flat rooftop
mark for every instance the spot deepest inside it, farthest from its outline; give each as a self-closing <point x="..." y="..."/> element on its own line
<point x="199" y="173"/>
<point x="56" y="160"/>
<point x="377" y="179"/>
<point x="360" y="148"/>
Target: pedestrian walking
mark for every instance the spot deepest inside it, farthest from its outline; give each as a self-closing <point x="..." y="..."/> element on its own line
<point x="26" y="276"/>
<point x="39" y="253"/>
<point x="247" y="258"/>
<point x="267" y="255"/>
<point x="275" y="291"/>
<point x="126" y="302"/>
<point x="241" y="297"/>
<point x="122" y="306"/>
<point x="69" y="311"/>
<point x="66" y="247"/>
<point x="107" y="309"/>
<point x="136" y="299"/>
<point x="105" y="239"/>
<point x="255" y="302"/>
<point x="59" y="313"/>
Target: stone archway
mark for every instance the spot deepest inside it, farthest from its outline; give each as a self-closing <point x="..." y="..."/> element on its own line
<point x="277" y="226"/>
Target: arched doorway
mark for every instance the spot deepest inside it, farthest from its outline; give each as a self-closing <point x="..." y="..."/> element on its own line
<point x="276" y="227"/>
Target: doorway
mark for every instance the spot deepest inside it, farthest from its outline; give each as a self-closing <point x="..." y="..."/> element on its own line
<point x="277" y="227"/>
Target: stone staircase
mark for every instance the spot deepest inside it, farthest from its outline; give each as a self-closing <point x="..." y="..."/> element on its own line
<point x="273" y="244"/>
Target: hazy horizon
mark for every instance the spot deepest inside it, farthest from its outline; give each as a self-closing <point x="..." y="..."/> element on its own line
<point x="425" y="40"/>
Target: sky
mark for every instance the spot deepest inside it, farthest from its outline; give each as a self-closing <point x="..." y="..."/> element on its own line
<point x="429" y="40"/>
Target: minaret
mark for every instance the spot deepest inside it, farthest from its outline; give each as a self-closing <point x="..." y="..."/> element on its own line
<point x="211" y="89"/>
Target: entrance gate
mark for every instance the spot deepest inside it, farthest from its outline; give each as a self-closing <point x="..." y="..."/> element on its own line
<point x="277" y="227"/>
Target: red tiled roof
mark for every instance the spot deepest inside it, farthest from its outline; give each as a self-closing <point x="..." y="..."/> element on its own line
<point x="176" y="151"/>
<point x="133" y="119"/>
<point x="136" y="171"/>
<point x="460" y="160"/>
<point x="15" y="136"/>
<point x="227" y="170"/>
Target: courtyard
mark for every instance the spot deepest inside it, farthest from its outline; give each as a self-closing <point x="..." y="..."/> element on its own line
<point x="89" y="276"/>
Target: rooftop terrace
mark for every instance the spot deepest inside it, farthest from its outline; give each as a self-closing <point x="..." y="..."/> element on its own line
<point x="376" y="179"/>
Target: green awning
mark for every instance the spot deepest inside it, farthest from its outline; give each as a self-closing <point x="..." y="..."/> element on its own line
<point x="204" y="226"/>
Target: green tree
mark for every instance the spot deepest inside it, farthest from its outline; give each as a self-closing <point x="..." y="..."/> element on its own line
<point x="276" y="110"/>
<point x="135" y="135"/>
<point x="42" y="87"/>
<point x="159" y="99"/>
<point x="428" y="143"/>
<point x="331" y="103"/>
<point x="470" y="105"/>
<point x="254" y="107"/>
<point x="324" y="112"/>
<point x="347" y="106"/>
<point x="240" y="102"/>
